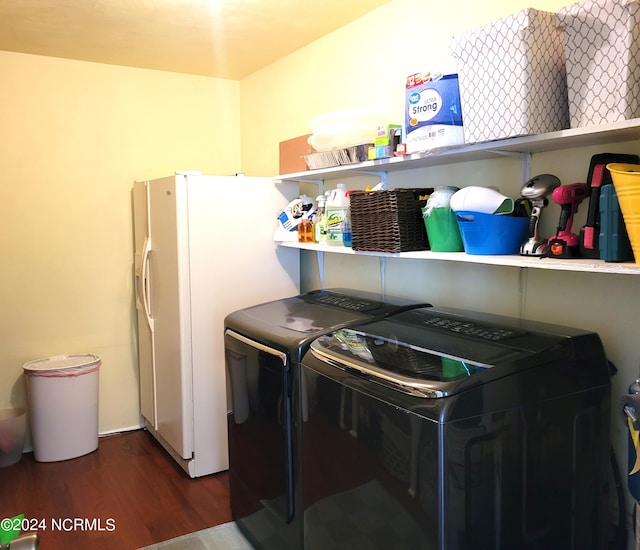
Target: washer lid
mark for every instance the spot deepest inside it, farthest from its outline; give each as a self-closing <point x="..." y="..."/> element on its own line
<point x="436" y="352"/>
<point x="293" y="320"/>
<point x="63" y="364"/>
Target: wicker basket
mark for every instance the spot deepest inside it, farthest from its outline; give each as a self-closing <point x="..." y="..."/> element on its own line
<point x="389" y="220"/>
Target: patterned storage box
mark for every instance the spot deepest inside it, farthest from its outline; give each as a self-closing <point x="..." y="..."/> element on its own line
<point x="512" y="77"/>
<point x="603" y="60"/>
<point x="389" y="220"/>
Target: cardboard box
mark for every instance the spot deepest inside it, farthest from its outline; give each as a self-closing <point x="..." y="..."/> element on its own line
<point x="385" y="134"/>
<point x="603" y="62"/>
<point x="292" y="153"/>
<point x="376" y="152"/>
<point x="512" y="77"/>
<point x="388" y="136"/>
<point x="432" y="115"/>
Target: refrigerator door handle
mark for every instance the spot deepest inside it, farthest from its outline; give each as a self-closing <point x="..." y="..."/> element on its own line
<point x="143" y="283"/>
<point x="138" y="275"/>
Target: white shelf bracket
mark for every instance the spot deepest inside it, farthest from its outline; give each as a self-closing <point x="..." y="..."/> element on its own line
<point x="381" y="175"/>
<point x="525" y="162"/>
<point x="318" y="182"/>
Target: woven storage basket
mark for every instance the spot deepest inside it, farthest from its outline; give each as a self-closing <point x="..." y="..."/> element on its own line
<point x="389" y="220"/>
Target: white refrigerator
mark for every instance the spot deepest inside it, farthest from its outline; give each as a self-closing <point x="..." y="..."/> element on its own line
<point x="203" y="248"/>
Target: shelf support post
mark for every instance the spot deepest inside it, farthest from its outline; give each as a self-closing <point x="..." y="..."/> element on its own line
<point x="525" y="160"/>
<point x="383" y="276"/>
<point x="320" y="258"/>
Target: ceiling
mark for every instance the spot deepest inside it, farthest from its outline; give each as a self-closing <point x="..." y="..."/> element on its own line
<point x="219" y="38"/>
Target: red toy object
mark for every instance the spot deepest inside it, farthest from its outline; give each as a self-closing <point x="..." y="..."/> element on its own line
<point x="565" y="244"/>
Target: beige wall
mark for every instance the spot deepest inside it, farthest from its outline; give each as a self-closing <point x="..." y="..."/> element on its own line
<point x="364" y="64"/>
<point x="77" y="134"/>
<point x="74" y="137"/>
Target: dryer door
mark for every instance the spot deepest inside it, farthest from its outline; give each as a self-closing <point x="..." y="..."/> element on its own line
<point x="260" y="428"/>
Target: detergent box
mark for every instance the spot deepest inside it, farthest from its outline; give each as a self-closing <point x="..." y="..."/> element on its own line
<point x="388" y="136"/>
<point x="433" y="115"/>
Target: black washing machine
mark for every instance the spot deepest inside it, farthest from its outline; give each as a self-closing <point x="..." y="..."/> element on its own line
<point x="452" y="430"/>
<point x="264" y="346"/>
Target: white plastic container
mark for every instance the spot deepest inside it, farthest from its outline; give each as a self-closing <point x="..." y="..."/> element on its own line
<point x="481" y="199"/>
<point x="344" y="128"/>
<point x="337" y="211"/>
<point x="63" y="405"/>
<point x="13" y="427"/>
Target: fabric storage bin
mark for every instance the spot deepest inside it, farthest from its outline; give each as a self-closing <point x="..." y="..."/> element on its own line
<point x="488" y="234"/>
<point x="389" y="220"/>
<point x="512" y="77"/>
<point x="603" y="60"/>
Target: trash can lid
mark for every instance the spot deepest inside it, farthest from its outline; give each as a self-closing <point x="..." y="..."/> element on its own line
<point x="63" y="365"/>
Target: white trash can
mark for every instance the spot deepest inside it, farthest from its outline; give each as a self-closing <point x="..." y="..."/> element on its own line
<point x="63" y="405"/>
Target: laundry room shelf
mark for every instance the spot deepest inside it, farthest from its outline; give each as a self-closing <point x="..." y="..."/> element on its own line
<point x="585" y="265"/>
<point x="524" y="146"/>
<point x="626" y="130"/>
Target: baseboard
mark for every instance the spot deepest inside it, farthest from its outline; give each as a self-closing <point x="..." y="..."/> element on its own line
<point x="28" y="445"/>
<point x="107" y="433"/>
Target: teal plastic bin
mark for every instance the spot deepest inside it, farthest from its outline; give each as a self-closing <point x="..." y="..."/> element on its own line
<point x="491" y="234"/>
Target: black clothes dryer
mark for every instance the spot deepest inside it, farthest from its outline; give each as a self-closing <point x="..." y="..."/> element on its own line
<point x="453" y="430"/>
<point x="264" y="346"/>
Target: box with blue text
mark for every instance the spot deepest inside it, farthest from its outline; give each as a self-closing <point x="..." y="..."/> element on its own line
<point x="433" y="115"/>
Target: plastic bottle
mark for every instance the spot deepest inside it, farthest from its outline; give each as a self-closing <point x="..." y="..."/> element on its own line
<point x="305" y="231"/>
<point x="346" y="224"/>
<point x="319" y="222"/>
<point x="336" y="212"/>
<point x="346" y="230"/>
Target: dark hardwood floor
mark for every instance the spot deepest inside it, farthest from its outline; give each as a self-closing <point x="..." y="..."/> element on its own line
<point x="127" y="494"/>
